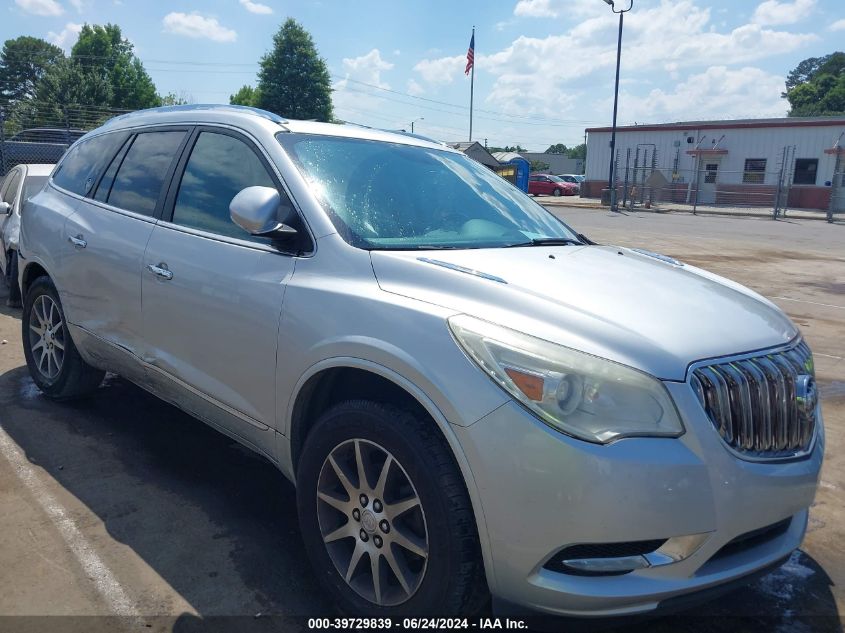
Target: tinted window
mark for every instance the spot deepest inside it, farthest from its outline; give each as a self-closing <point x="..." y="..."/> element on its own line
<point x="12" y="187"/>
<point x="138" y="182"/>
<point x="80" y="167"/>
<point x="219" y="167"/>
<point x="104" y="188"/>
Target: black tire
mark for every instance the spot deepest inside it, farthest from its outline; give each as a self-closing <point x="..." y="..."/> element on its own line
<point x="453" y="582"/>
<point x="556" y="193"/>
<point x="74" y="377"/>
<point x="14" y="299"/>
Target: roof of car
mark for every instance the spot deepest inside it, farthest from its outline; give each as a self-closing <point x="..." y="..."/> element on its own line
<point x="254" y="117"/>
<point x="39" y="169"/>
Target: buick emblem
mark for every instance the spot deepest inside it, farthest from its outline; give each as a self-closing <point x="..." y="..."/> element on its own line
<point x="806" y="395"/>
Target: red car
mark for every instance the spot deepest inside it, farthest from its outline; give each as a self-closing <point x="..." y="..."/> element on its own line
<point x="547" y="185"/>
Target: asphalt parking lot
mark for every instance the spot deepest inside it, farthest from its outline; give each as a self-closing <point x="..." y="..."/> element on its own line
<point x="121" y="505"/>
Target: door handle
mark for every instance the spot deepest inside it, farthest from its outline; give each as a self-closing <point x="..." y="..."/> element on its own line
<point x="161" y="271"/>
<point x="77" y="241"/>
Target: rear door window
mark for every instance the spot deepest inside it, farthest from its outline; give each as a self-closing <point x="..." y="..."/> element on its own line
<point x="139" y="179"/>
<point x="81" y="166"/>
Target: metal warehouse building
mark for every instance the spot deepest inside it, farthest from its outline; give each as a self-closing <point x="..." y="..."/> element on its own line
<point x="750" y="162"/>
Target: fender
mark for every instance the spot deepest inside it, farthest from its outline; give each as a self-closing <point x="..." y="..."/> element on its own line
<point x="431" y="408"/>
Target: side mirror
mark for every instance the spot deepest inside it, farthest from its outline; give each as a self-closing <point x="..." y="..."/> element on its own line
<point x="256" y="211"/>
<point x="5" y="208"/>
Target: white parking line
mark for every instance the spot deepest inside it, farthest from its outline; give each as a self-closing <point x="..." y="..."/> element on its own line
<point x="104" y="580"/>
<point x="815" y="303"/>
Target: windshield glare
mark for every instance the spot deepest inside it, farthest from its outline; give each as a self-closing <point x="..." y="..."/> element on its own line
<point x="393" y="196"/>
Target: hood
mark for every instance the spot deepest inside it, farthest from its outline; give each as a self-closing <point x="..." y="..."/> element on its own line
<point x="612" y="302"/>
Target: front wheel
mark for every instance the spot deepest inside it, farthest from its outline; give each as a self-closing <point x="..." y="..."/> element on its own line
<point x="385" y="515"/>
<point x="556" y="193"/>
<point x="54" y="363"/>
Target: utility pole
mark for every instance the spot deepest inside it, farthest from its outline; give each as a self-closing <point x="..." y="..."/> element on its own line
<point x="610" y="180"/>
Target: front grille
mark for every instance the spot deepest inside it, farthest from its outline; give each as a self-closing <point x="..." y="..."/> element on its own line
<point x="762" y="406"/>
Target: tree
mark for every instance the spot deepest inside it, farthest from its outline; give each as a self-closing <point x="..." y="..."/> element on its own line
<point x="294" y="80"/>
<point x="246" y="96"/>
<point x="23" y="62"/>
<point x="579" y="151"/>
<point x="816" y="86"/>
<point x="557" y="148"/>
<point x="175" y="99"/>
<point x="63" y="95"/>
<point x="104" y="51"/>
<point x="538" y="165"/>
<point x="508" y="148"/>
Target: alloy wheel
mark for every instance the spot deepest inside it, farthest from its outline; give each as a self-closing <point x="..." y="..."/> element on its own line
<point x="372" y="522"/>
<point x="47" y="336"/>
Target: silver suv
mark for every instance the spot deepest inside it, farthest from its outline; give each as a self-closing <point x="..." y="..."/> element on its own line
<point x="471" y="398"/>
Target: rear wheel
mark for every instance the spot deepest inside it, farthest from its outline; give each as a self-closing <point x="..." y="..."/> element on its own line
<point x="51" y="356"/>
<point x="385" y="515"/>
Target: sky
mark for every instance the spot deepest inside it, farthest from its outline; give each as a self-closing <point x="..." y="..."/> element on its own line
<point x="544" y="68"/>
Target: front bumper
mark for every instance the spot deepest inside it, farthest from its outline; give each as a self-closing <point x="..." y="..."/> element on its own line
<point x="540" y="491"/>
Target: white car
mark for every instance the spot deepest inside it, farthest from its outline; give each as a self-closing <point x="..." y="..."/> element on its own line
<point x="20" y="183"/>
<point x="576" y="179"/>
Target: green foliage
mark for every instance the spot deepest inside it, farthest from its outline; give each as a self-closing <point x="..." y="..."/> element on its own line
<point x="23" y="61"/>
<point x="557" y="148"/>
<point x="105" y="53"/>
<point x="507" y="148"/>
<point x="294" y="80"/>
<point x="538" y="165"/>
<point x="579" y="151"/>
<point x="816" y="87"/>
<point x="173" y="99"/>
<point x="246" y="96"/>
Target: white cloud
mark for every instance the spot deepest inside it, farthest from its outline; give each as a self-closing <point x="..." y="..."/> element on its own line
<point x="41" y="7"/>
<point x="414" y="88"/>
<point x="839" y="25"/>
<point x="717" y="93"/>
<point x="443" y="70"/>
<point x="79" y="5"/>
<point x="367" y="68"/>
<point x="775" y="12"/>
<point x="67" y="37"/>
<point x="355" y="100"/>
<point x="256" y="7"/>
<point x="197" y="26"/>
<point x="557" y="8"/>
<point x="667" y="39"/>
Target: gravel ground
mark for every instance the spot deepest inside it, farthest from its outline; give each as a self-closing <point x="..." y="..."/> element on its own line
<point x="123" y="496"/>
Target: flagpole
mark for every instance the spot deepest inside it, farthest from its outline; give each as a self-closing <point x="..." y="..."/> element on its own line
<point x="471" y="85"/>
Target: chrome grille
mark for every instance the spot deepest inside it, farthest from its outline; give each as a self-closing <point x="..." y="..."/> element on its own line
<point x="762" y="406"/>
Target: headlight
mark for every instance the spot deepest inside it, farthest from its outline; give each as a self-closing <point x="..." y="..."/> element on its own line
<point x="582" y="395"/>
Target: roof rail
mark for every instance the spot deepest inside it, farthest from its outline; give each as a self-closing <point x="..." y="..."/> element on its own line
<point x="196" y="107"/>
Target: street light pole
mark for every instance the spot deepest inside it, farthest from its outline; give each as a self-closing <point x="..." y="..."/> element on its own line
<point x="610" y="179"/>
<point x="414" y="121"/>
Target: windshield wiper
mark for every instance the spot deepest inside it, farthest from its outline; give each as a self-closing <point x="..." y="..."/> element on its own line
<point x="547" y="241"/>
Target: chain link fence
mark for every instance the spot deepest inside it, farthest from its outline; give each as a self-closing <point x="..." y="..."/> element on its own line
<point x="36" y="132"/>
<point x="642" y="183"/>
<point x="837" y="198"/>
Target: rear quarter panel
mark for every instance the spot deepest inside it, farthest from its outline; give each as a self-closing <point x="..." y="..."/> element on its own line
<point x="42" y="236"/>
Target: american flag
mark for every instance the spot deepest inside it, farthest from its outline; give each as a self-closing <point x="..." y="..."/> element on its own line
<point x="470" y="54"/>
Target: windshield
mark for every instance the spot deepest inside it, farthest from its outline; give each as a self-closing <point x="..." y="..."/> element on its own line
<point x="393" y="196"/>
<point x="33" y="185"/>
<point x="556" y="179"/>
